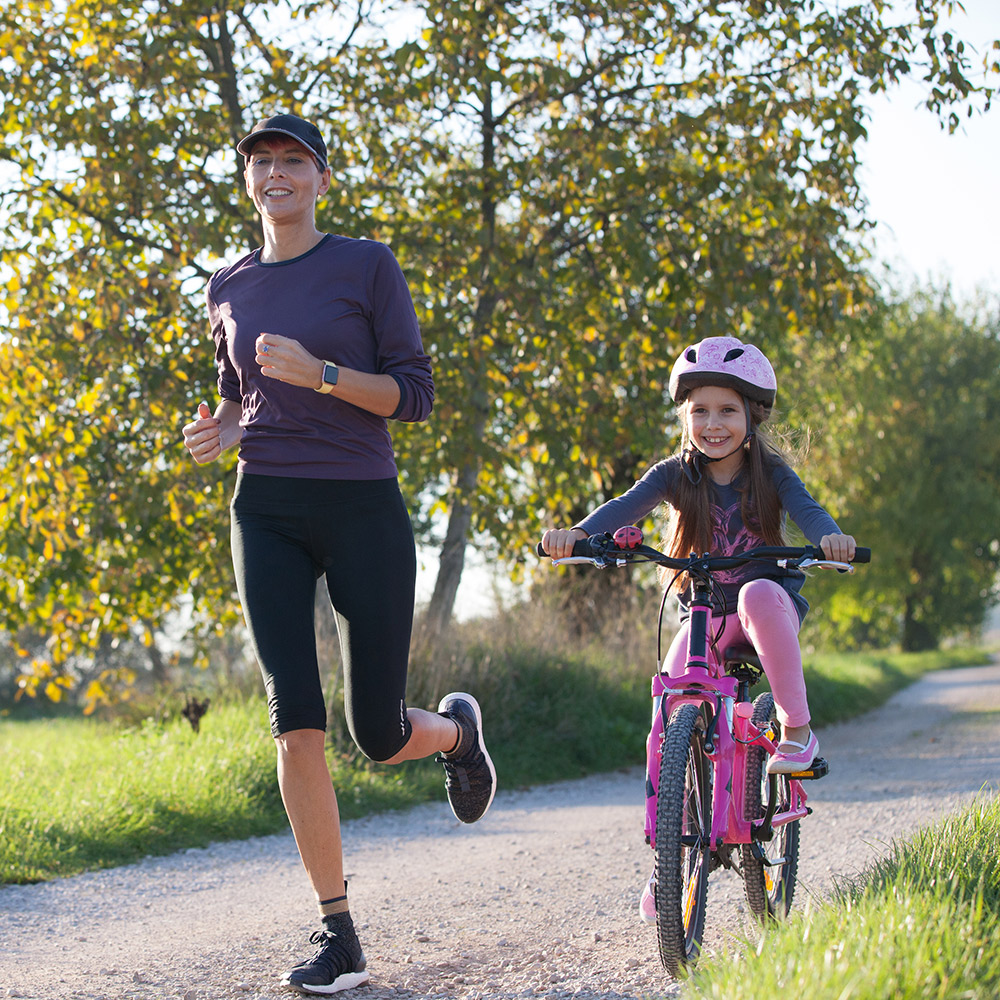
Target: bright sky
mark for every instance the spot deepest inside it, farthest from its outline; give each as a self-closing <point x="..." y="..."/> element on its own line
<point x="936" y="196"/>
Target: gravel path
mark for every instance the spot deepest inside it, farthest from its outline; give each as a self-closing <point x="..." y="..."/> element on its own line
<point x="536" y="900"/>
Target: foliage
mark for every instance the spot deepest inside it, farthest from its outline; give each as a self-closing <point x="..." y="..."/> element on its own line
<point x="78" y="794"/>
<point x="903" y="450"/>
<point x="844" y="685"/>
<point x="618" y="179"/>
<point x="573" y="189"/>
<point x="921" y="923"/>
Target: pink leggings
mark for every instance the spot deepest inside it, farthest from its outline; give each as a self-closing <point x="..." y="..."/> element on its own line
<point x="766" y="618"/>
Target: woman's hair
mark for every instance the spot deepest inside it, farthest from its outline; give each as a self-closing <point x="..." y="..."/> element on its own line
<point x="690" y="528"/>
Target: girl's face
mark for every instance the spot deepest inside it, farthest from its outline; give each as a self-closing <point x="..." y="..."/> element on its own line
<point x="283" y="180"/>
<point x="716" y="423"/>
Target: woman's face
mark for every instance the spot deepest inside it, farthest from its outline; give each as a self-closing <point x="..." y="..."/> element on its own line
<point x="716" y="421"/>
<point x="284" y="180"/>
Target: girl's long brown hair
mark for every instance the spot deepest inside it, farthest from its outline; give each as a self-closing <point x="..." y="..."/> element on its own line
<point x="690" y="526"/>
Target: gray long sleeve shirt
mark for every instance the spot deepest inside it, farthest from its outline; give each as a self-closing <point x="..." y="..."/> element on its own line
<point x="730" y="534"/>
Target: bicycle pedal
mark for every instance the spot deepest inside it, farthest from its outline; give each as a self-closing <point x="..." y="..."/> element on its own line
<point x="819" y="768"/>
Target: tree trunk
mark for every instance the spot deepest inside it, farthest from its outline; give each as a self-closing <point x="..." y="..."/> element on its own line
<point x="449" y="576"/>
<point x="442" y="603"/>
<point x="917" y="636"/>
<point x="158" y="669"/>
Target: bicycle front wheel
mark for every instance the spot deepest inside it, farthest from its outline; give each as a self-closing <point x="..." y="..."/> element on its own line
<point x="769" y="888"/>
<point x="683" y="835"/>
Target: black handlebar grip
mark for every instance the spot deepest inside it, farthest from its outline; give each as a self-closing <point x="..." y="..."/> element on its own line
<point x="862" y="555"/>
<point x="581" y="548"/>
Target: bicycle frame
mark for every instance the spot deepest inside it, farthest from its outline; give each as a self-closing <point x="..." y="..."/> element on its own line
<point x="726" y="707"/>
<point x="732" y="734"/>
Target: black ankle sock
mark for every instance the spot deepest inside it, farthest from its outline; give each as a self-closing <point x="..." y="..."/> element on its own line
<point x="340" y="924"/>
<point x="458" y="740"/>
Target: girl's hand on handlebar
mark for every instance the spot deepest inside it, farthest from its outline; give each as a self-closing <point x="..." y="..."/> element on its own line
<point x="557" y="543"/>
<point x="839" y="548"/>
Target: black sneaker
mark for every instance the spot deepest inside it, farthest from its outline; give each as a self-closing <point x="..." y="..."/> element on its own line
<point x="470" y="776"/>
<point x="338" y="965"/>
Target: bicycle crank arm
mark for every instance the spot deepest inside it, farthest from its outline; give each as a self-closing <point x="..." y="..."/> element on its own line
<point x="692" y="840"/>
<point x="759" y="855"/>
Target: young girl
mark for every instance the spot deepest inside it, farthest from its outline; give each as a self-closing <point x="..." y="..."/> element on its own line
<point x="727" y="491"/>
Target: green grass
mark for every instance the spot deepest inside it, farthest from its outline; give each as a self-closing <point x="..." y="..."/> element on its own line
<point x="841" y="686"/>
<point x="78" y="794"/>
<point x="921" y="924"/>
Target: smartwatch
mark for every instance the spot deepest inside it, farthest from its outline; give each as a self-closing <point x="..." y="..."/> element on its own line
<point x="330" y="374"/>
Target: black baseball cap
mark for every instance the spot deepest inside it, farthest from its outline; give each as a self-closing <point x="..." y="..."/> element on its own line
<point x="288" y="125"/>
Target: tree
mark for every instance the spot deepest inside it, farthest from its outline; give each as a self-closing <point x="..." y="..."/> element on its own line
<point x="574" y="189"/>
<point x="903" y="446"/>
<point x="592" y="185"/>
<point x="120" y="203"/>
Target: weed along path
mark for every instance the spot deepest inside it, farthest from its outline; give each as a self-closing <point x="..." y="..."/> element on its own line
<point x="537" y="900"/>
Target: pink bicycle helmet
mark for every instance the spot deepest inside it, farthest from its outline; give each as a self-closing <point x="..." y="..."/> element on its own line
<point x="728" y="362"/>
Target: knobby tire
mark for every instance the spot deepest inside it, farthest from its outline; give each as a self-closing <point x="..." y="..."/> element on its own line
<point x="769" y="890"/>
<point x="683" y="833"/>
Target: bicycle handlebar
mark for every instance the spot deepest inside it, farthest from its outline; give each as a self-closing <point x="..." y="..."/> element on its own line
<point x="601" y="549"/>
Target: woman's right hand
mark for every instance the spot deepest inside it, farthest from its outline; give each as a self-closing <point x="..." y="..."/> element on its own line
<point x="558" y="542"/>
<point x="203" y="437"/>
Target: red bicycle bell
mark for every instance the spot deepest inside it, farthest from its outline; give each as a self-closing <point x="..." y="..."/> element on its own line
<point x="628" y="537"/>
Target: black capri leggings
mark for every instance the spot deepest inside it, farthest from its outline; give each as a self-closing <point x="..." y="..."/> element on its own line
<point x="286" y="534"/>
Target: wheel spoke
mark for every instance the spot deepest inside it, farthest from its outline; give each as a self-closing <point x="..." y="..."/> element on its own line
<point x="691" y="897"/>
<point x="768" y="888"/>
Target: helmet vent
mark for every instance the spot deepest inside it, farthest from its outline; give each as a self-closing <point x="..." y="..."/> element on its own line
<point x="691" y="355"/>
<point x="732" y="355"/>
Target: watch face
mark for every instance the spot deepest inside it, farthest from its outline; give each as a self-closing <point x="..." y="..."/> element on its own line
<point x="330" y="373"/>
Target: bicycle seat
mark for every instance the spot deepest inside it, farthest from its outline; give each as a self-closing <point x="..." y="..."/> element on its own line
<point x="741" y="652"/>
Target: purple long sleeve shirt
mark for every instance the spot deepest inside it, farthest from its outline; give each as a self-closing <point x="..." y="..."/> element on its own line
<point x="730" y="534"/>
<point x="345" y="301"/>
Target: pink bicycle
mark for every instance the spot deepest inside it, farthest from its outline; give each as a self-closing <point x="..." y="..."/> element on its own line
<point x="710" y="802"/>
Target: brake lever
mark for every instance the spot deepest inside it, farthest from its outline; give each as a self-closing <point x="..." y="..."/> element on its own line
<point x="841" y="567"/>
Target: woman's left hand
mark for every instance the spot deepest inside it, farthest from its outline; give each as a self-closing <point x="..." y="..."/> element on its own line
<point x="288" y="361"/>
<point x="839" y="548"/>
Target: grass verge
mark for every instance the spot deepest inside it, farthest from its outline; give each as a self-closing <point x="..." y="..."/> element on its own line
<point x="923" y="923"/>
<point x="79" y="794"/>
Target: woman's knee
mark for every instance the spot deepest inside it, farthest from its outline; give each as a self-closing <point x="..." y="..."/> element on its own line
<point x="297" y="747"/>
<point x="381" y="739"/>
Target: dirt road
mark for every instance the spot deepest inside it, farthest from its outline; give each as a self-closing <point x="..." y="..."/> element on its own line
<point x="536" y="900"/>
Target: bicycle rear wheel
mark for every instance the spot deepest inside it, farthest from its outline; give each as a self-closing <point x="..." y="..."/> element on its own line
<point x="683" y="834"/>
<point x="769" y="889"/>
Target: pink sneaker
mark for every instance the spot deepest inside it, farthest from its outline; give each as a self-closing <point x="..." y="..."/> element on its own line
<point x="798" y="760"/>
<point x="647" y="902"/>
